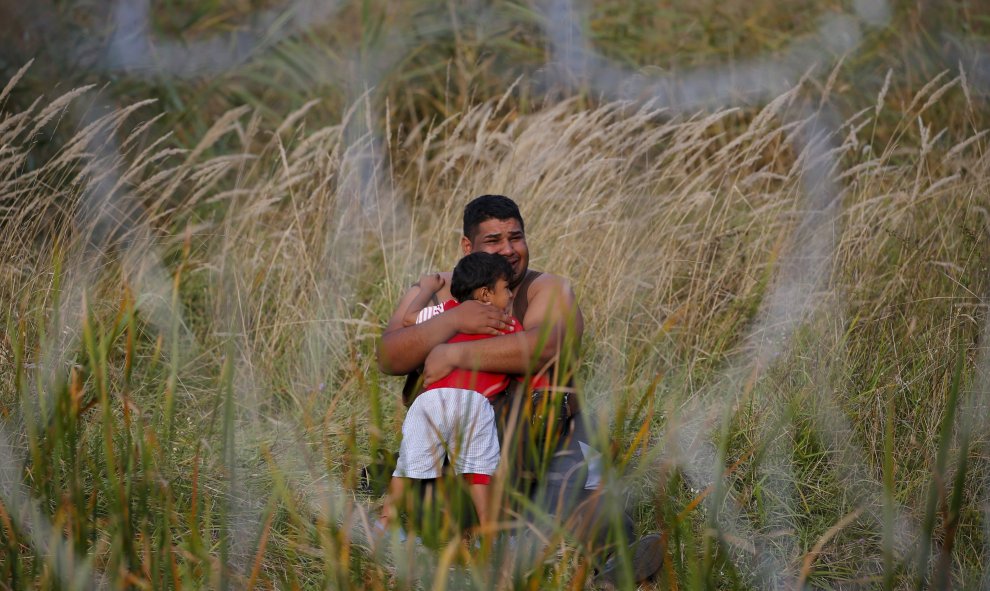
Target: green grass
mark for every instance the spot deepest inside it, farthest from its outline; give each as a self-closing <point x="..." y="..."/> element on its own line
<point x="191" y="406"/>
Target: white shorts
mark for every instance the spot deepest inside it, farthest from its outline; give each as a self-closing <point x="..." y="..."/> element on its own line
<point x="448" y="422"/>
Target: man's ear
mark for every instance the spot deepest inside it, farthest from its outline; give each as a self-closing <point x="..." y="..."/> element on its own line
<point x="465" y="245"/>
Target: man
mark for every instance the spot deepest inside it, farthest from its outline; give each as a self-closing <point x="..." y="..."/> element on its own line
<point x="567" y="485"/>
<point x="542" y="302"/>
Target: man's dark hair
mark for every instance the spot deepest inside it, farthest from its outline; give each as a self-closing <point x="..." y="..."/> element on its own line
<point x="489" y="207"/>
<point x="478" y="269"/>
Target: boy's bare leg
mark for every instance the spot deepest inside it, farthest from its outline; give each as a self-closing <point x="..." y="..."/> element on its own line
<point x="481" y="497"/>
<point x="390" y="510"/>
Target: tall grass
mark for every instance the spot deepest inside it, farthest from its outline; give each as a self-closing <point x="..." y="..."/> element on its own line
<point x="189" y="390"/>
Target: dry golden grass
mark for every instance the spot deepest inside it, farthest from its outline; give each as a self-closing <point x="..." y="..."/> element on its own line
<point x="221" y="308"/>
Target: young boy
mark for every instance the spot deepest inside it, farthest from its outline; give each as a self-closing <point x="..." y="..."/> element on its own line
<point x="452" y="416"/>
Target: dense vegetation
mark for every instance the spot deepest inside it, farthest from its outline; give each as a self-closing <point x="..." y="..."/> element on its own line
<point x="784" y="289"/>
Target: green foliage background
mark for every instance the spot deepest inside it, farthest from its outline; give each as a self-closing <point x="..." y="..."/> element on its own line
<point x="188" y="403"/>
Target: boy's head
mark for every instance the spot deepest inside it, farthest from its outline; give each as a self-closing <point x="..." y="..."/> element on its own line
<point x="484" y="277"/>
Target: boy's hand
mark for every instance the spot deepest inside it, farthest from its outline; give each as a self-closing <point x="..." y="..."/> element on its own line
<point x="431" y="282"/>
<point x="474" y="317"/>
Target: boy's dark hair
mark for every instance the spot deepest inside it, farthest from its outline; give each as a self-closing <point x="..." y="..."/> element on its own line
<point x="478" y="269"/>
<point x="488" y="207"/>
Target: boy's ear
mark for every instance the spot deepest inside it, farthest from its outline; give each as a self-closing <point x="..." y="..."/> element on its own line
<point x="484" y="295"/>
<point x="465" y="245"/>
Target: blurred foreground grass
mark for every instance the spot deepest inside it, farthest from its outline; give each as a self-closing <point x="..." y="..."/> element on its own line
<point x="188" y="378"/>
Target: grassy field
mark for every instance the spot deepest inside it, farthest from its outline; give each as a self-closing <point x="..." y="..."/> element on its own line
<point x="784" y="295"/>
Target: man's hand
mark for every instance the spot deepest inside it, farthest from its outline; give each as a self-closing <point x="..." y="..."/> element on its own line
<point x="431" y="283"/>
<point x="405" y="345"/>
<point x="474" y="317"/>
<point x="439" y="363"/>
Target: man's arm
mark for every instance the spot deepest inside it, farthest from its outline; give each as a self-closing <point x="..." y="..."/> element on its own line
<point x="553" y="324"/>
<point x="403" y="349"/>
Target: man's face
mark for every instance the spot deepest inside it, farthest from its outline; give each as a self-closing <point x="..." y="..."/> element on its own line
<point x="502" y="237"/>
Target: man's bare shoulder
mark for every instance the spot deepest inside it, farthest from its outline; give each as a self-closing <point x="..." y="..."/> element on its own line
<point x="545" y="297"/>
<point x="550" y="282"/>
